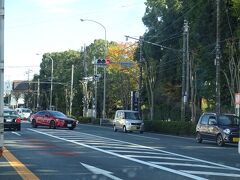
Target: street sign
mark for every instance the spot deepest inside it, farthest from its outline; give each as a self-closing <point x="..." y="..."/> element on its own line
<point x="237" y="98"/>
<point x="126" y="64"/>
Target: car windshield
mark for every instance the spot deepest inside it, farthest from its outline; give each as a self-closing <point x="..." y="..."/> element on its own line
<point x="9" y="113"/>
<point x="58" y="114"/>
<point x="132" y="115"/>
<point x="26" y="111"/>
<point x="228" y="120"/>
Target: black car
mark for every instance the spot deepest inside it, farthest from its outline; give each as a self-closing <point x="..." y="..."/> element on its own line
<point x="11" y="119"/>
<point x="223" y="128"/>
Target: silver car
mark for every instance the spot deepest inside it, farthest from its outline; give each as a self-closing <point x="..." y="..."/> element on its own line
<point x="127" y="120"/>
<point x="24" y="113"/>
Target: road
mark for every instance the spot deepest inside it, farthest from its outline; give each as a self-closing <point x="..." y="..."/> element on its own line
<point x="94" y="152"/>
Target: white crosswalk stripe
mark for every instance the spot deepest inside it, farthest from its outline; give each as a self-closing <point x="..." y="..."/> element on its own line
<point x="161" y="159"/>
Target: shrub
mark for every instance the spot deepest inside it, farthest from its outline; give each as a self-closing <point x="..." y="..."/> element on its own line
<point x="170" y="127"/>
<point x="84" y="120"/>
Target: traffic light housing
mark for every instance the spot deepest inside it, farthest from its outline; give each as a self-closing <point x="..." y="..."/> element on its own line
<point x="101" y="61"/>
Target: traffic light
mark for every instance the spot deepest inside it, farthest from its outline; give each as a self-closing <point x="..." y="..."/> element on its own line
<point x="107" y="61"/>
<point x="101" y="61"/>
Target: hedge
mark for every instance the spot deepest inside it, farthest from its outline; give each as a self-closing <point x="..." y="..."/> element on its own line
<point x="170" y="127"/>
<point x="87" y="120"/>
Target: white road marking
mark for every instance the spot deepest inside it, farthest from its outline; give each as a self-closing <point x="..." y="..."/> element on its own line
<point x="125" y="157"/>
<point x="141" y="136"/>
<point x="118" y="147"/>
<point x="92" y="138"/>
<point x="96" y="170"/>
<point x="212" y="173"/>
<point x="159" y="157"/>
<point x="170" y="153"/>
<point x="137" y="152"/>
<point x="184" y="164"/>
<point x="16" y="133"/>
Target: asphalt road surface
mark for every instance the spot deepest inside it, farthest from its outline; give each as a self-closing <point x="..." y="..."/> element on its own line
<point x="94" y="152"/>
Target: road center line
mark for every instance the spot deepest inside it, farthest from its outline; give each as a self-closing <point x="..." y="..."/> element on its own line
<point x="124" y="157"/>
<point x="21" y="169"/>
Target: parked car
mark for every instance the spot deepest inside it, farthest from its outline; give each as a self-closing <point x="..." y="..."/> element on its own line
<point x="24" y="113"/>
<point x="223" y="128"/>
<point x="11" y="119"/>
<point x="52" y="119"/>
<point x="127" y="120"/>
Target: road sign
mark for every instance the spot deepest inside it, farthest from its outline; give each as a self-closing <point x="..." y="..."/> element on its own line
<point x="126" y="64"/>
<point x="237" y="99"/>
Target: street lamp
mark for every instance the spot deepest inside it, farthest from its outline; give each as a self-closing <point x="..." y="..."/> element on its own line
<point x="50" y="100"/>
<point x="104" y="77"/>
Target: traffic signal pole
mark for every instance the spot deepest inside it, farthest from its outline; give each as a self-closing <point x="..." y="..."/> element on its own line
<point x="140" y="77"/>
<point x="1" y="73"/>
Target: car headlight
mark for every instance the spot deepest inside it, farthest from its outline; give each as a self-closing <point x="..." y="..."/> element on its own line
<point x="128" y="123"/>
<point x="227" y="131"/>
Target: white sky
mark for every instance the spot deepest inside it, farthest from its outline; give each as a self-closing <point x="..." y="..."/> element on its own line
<point x="40" y="26"/>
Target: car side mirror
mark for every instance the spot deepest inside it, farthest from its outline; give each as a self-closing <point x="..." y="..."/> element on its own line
<point x="212" y="122"/>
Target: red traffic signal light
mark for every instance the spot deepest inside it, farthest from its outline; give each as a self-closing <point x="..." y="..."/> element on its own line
<point x="107" y="61"/>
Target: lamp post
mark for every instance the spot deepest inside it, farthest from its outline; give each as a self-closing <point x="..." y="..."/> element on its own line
<point x="104" y="77"/>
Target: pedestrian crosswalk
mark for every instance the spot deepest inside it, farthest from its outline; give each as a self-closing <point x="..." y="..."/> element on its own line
<point x="157" y="158"/>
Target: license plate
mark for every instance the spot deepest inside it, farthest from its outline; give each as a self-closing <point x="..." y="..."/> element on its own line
<point x="235" y="139"/>
<point x="69" y="125"/>
<point x="8" y="120"/>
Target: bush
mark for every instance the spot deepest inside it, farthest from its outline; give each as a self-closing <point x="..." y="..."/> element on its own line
<point x="84" y="120"/>
<point x="87" y="120"/>
<point x="170" y="127"/>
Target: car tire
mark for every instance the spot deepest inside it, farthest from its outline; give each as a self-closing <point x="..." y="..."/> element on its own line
<point x="114" y="128"/>
<point x="220" y="141"/>
<point x="124" y="129"/>
<point x="52" y="125"/>
<point x="199" y="138"/>
<point x="34" y="123"/>
<point x="71" y="128"/>
<point x="141" y="132"/>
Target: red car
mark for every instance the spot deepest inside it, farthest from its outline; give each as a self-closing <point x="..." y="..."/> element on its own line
<point x="52" y="119"/>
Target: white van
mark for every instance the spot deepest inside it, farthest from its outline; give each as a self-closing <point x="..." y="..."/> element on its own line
<point x="127" y="120"/>
<point x="24" y="113"/>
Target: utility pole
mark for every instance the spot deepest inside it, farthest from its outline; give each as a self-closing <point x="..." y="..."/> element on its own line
<point x="217" y="62"/>
<point x="71" y="93"/>
<point x="28" y="97"/>
<point x="1" y="74"/>
<point x="185" y="71"/>
<point x="95" y="87"/>
<point x="38" y="94"/>
<point x="140" y="76"/>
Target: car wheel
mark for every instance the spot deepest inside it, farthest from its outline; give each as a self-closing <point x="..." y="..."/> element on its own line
<point x="124" y="129"/>
<point x="141" y="132"/>
<point x="71" y="128"/>
<point x="114" y="128"/>
<point x="34" y="123"/>
<point x="199" y="138"/>
<point x="52" y="125"/>
<point x="220" y="141"/>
